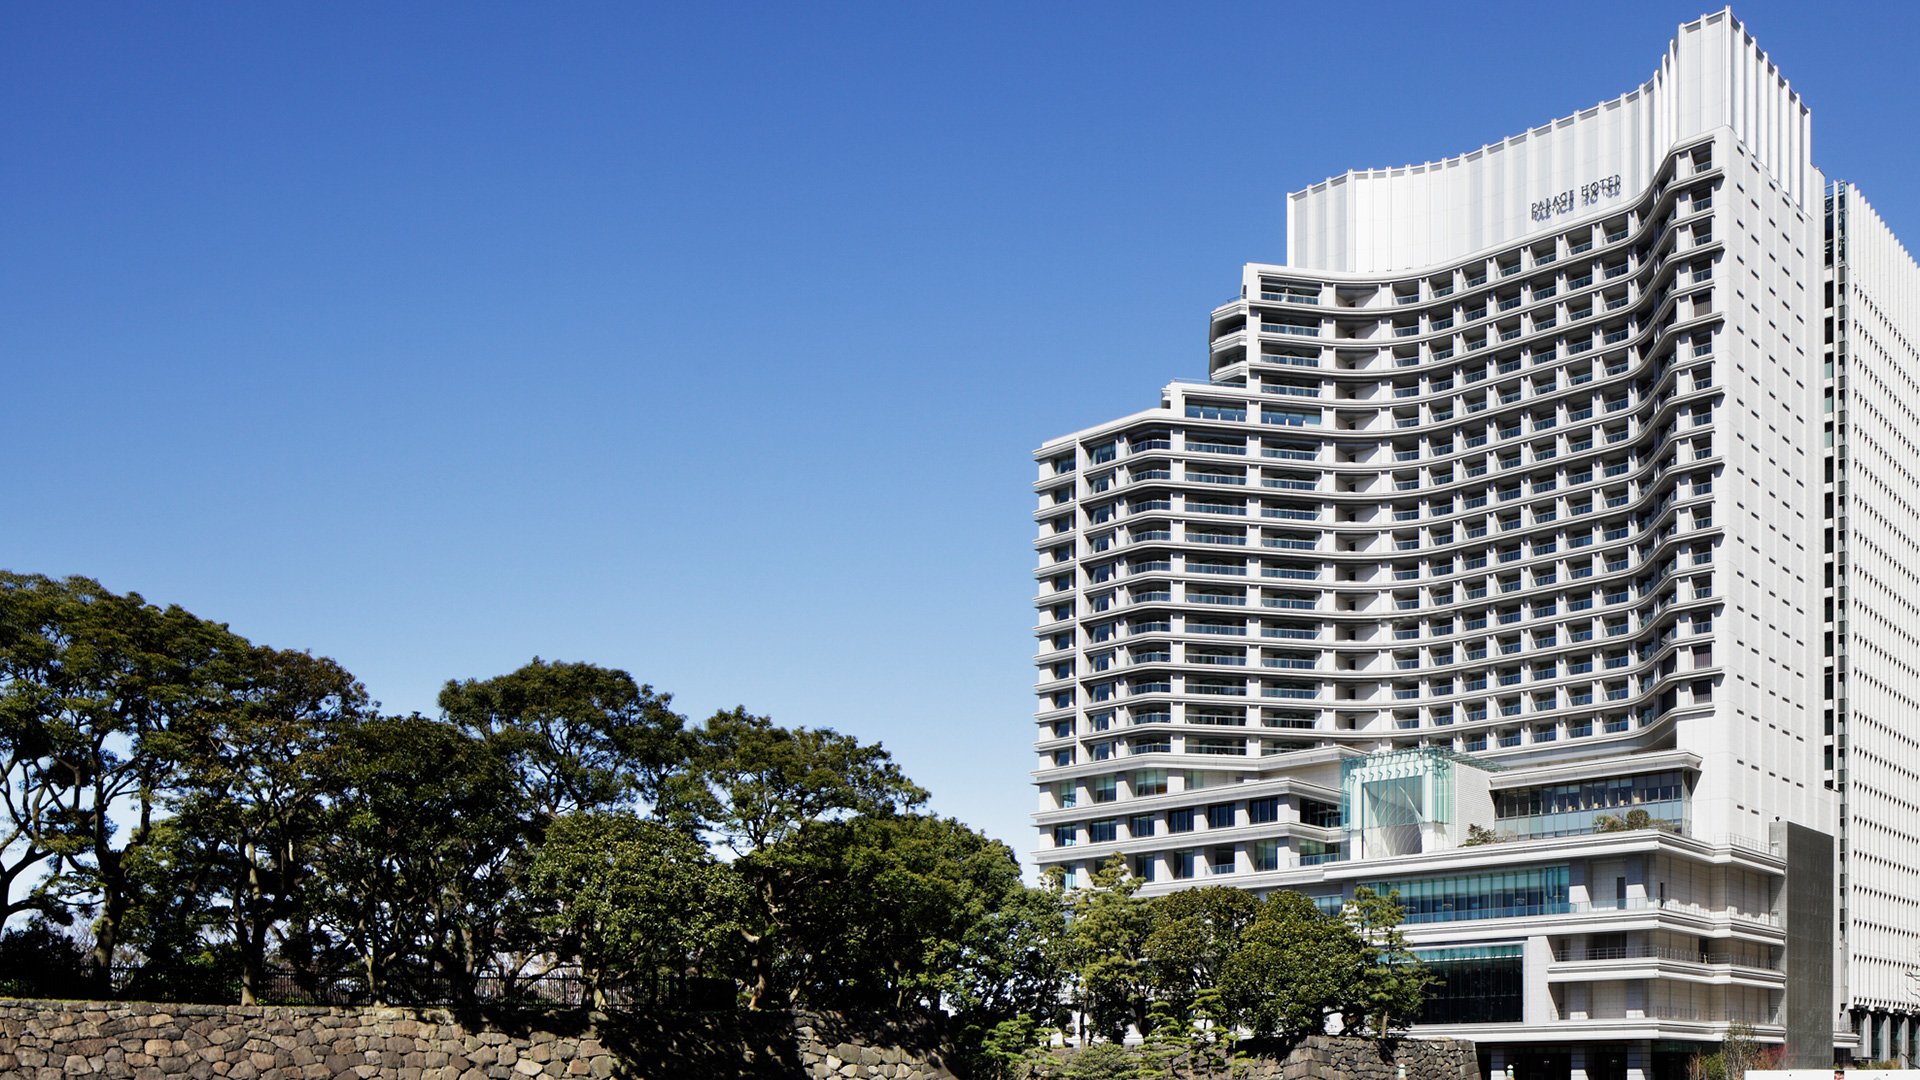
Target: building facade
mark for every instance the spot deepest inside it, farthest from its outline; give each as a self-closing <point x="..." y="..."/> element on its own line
<point x="1540" y="544"/>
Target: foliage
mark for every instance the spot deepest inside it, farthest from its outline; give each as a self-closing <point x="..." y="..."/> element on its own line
<point x="1739" y="1053"/>
<point x="758" y="789"/>
<point x="1006" y="987"/>
<point x="1295" y="969"/>
<point x="1108" y="924"/>
<point x="1007" y="1050"/>
<point x="422" y="825"/>
<point x="216" y="810"/>
<point x="38" y="961"/>
<point x="248" y="807"/>
<point x="1102" y="1061"/>
<point x="94" y="687"/>
<point x="1392" y="982"/>
<point x="1633" y="819"/>
<point x="1480" y="834"/>
<point x="630" y="897"/>
<point x="577" y="736"/>
<point x="1194" y="932"/>
<point x="902" y="898"/>
<point x="1199" y="1040"/>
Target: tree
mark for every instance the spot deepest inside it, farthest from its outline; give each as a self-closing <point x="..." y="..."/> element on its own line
<point x="578" y="736"/>
<point x="903" y="905"/>
<point x="758" y="788"/>
<point x="1005" y="985"/>
<point x="38" y="961"/>
<point x="1295" y="969"/>
<point x="1194" y="932"/>
<point x="630" y="897"/>
<point x="249" y="809"/>
<point x="167" y="929"/>
<point x="422" y="817"/>
<point x="1392" y="982"/>
<point x="1480" y="834"/>
<point x="93" y="687"/>
<point x="1107" y="929"/>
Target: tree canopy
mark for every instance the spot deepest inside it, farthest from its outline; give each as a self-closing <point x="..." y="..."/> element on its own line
<point x="193" y="816"/>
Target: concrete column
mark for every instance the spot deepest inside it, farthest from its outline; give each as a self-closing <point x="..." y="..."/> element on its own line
<point x="1536" y="1003"/>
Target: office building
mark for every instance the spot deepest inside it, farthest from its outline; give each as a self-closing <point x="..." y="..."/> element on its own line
<point x="1540" y="544"/>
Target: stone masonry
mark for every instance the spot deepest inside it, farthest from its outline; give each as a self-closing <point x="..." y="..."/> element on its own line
<point x="65" y="1040"/>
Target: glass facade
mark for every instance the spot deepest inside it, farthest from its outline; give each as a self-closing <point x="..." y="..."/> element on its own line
<point x="1587" y="806"/>
<point x="1501" y="895"/>
<point x="1473" y="984"/>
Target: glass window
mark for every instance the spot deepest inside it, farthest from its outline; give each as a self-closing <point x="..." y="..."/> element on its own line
<point x="1474" y="984"/>
<point x="1510" y="894"/>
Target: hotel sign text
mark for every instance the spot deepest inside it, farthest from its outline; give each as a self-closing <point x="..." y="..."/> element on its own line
<point x="1585" y="195"/>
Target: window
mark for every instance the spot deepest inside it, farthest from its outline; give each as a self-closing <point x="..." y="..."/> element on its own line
<point x="1266" y="855"/>
<point x="1217" y="410"/>
<point x="1181" y="864"/>
<point x="1103" y="832"/>
<point x="1140" y="826"/>
<point x="1475" y="984"/>
<point x="1179" y="821"/>
<point x="1220" y="816"/>
<point x="1220" y="861"/>
<point x="1149" y="782"/>
<point x="1063" y="836"/>
<point x="1104" y="788"/>
<point x="1261" y="811"/>
<point x="1143" y="867"/>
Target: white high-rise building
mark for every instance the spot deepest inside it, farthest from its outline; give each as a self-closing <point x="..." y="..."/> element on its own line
<point x="1541" y="545"/>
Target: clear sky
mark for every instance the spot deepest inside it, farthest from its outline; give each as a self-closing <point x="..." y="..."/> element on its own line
<point x="711" y="341"/>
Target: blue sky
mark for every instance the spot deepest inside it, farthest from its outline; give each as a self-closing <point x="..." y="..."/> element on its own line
<point x="708" y="342"/>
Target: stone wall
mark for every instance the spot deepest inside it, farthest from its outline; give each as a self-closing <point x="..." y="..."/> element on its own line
<point x="64" y="1040"/>
<point x="1334" y="1057"/>
<point x="1330" y="1057"/>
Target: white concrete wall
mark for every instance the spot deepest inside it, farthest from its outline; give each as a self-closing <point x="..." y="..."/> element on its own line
<point x="1713" y="76"/>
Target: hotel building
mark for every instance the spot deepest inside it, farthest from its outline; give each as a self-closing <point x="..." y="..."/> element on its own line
<point x="1541" y="544"/>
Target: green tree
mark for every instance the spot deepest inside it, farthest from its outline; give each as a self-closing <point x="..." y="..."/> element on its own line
<point x="1392" y="983"/>
<point x="1194" y="932"/>
<point x="249" y="808"/>
<point x="422" y="818"/>
<point x="758" y="788"/>
<point x="174" y="928"/>
<point x="93" y="689"/>
<point x="1107" y="928"/>
<point x="630" y="897"/>
<point x="1005" y="986"/>
<point x="38" y="961"/>
<point x="578" y="736"/>
<point x="1295" y="969"/>
<point x="906" y="903"/>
